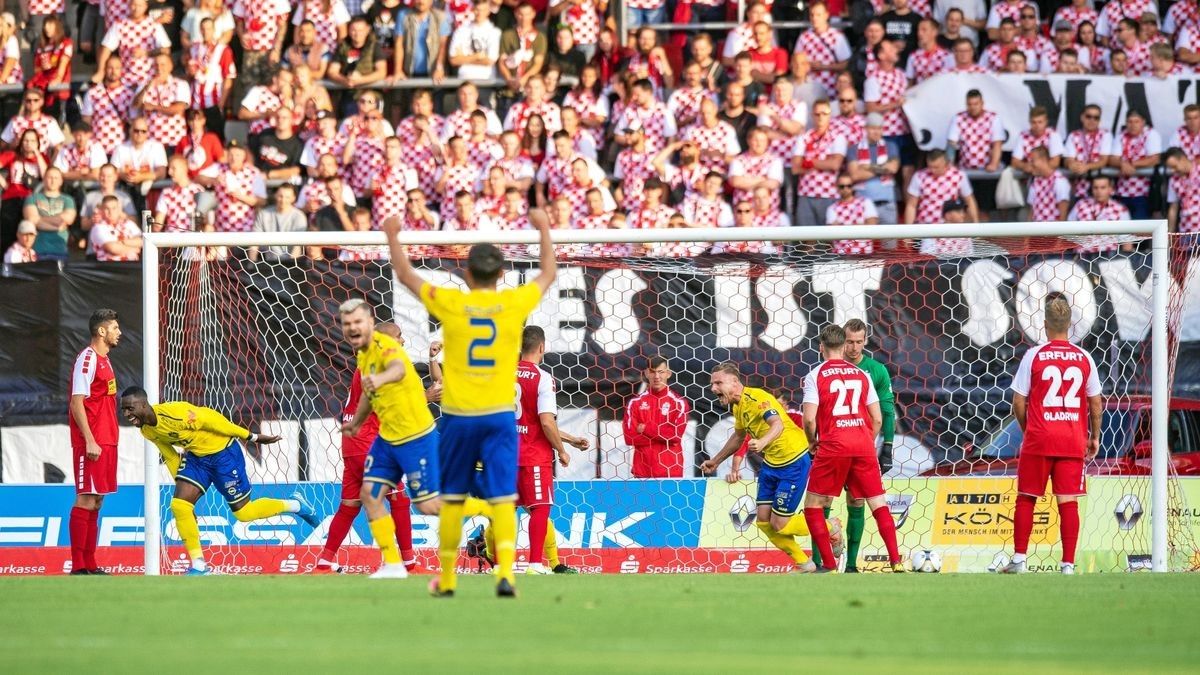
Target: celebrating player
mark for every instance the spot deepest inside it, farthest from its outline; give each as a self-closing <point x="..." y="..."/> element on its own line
<point x="406" y="446"/>
<point x="1059" y="437"/>
<point x="842" y="412"/>
<point x="482" y="329"/>
<point x="537" y="428"/>
<point x="786" y="461"/>
<point x="212" y="455"/>
<point x="354" y="456"/>
<point x="93" y="423"/>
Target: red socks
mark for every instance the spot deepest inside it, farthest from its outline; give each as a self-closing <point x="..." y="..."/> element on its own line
<point x="80" y="530"/>
<point x="339" y="527"/>
<point x="89" y="553"/>
<point x="1068" y="515"/>
<point x="401" y="507"/>
<point x="1023" y="524"/>
<point x="887" y="530"/>
<point x="819" y="530"/>
<point x="539" y="517"/>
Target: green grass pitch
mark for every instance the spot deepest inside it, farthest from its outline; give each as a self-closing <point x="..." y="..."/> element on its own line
<point x="612" y="624"/>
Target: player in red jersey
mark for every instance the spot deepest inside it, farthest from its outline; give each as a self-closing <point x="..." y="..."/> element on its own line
<point x="841" y="411"/>
<point x="540" y="440"/>
<point x="1062" y="431"/>
<point x="354" y="457"/>
<point x="93" y="422"/>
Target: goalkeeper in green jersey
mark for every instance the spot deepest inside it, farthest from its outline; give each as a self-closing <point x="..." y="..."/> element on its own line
<point x="856" y="340"/>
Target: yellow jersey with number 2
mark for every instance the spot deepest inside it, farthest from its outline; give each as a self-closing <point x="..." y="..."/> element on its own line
<point x="481" y="333"/>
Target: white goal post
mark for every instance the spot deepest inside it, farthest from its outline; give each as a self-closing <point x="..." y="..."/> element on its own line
<point x="155" y="243"/>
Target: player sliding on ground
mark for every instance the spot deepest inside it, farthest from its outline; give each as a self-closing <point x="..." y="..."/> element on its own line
<point x="482" y="335"/>
<point x="212" y="454"/>
<point x="856" y="340"/>
<point x="407" y="444"/>
<point x="1062" y="431"/>
<point x="841" y="412"/>
<point x="786" y="461"/>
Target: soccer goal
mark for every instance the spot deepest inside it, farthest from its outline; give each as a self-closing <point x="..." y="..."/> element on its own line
<point x="233" y="325"/>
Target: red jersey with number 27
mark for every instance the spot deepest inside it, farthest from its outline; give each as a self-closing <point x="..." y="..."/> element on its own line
<point x="1056" y="378"/>
<point x="93" y="379"/>
<point x="535" y="395"/>
<point x="360" y="444"/>
<point x="842" y="392"/>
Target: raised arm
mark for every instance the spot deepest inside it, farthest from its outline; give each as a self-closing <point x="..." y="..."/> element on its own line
<point x="406" y="274"/>
<point x="548" y="261"/>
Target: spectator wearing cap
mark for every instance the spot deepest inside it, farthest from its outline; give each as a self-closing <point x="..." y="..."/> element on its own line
<point x="873" y="170"/>
<point x="954" y="211"/>
<point x="358" y="61"/>
<point x="202" y="148"/>
<point x="81" y="160"/>
<point x="308" y="50"/>
<point x="210" y="66"/>
<point x="22" y="249"/>
<point x="422" y="42"/>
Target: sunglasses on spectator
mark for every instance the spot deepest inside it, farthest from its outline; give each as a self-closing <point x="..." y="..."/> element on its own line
<point x="1091" y="117"/>
<point x="1029" y="16"/>
<point x="135" y="130"/>
<point x="743" y="210"/>
<point x="846" y="100"/>
<point x="845" y="186"/>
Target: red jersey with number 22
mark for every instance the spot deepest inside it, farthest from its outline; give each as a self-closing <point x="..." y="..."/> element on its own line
<point x="360" y="444"/>
<point x="535" y="395"/>
<point x="842" y="392"/>
<point x="1056" y="377"/>
<point x="93" y="379"/>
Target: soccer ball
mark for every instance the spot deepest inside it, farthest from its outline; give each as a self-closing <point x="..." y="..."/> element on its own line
<point x="925" y="561"/>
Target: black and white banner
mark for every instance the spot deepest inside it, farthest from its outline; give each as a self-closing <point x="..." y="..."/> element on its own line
<point x="932" y="105"/>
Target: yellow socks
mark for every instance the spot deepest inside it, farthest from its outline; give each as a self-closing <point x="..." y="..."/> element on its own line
<point x="476" y="507"/>
<point x="449" y="533"/>
<point x="550" y="550"/>
<point x="783" y="542"/>
<point x="189" y="531"/>
<point x="504" y="525"/>
<point x="796" y="527"/>
<point x="262" y="507"/>
<point x="384" y="531"/>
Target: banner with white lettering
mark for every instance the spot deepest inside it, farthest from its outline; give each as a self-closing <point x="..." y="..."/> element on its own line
<point x="932" y="105"/>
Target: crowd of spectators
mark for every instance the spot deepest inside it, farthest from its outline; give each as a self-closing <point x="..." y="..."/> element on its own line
<point x="335" y="115"/>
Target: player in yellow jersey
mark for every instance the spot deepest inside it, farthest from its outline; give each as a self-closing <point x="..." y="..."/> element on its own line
<point x="407" y="444"/>
<point x="786" y="461"/>
<point x="212" y="455"/>
<point x="481" y="332"/>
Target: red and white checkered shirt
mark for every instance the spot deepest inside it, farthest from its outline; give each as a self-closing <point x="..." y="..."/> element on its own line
<point x="975" y="136"/>
<point x="113" y="11"/>
<point x="12" y="50"/>
<point x="260" y="99"/>
<point x="319" y="145"/>
<point x="519" y="114"/>
<point x="691" y="177"/>
<point x="740" y="39"/>
<point x="1182" y="13"/>
<point x="234" y="215"/>
<point x="921" y="7"/>
<point x="884" y="88"/>
<point x="49" y="133"/>
<point x="765" y="165"/>
<point x="104" y="232"/>
<point x="1026" y="142"/>
<point x="1138" y="56"/>
<point x="1033" y="48"/>
<point x="827" y="48"/>
<point x="653" y="67"/>
<point x="647" y="218"/>
<point x="796" y="111"/>
<point x="811" y="146"/>
<point x="128" y="36"/>
<point x="1006" y="10"/>
<point x="179" y="206"/>
<point x="1185" y="191"/>
<point x="458" y="177"/>
<point x="517" y="169"/>
<point x="850" y="127"/>
<point x="72" y="158"/>
<point x="584" y="20"/>
<point x="684" y="103"/>
<point x="391" y="192"/>
<point x="326" y="23"/>
<point x="632" y="169"/>
<point x="925" y="63"/>
<point x="555" y="172"/>
<point x="655" y="119"/>
<point x="854" y="211"/>
<point x="164" y="128"/>
<point x="314" y="192"/>
<point x="1087" y="148"/>
<point x="262" y="22"/>
<point x="1134" y="148"/>
<point x="720" y="138"/>
<point x="406" y="130"/>
<point x="1075" y="16"/>
<point x="458" y="123"/>
<point x="1115" y="10"/>
<point x="577" y="195"/>
<point x="701" y="212"/>
<point x="589" y="106"/>
<point x="933" y="191"/>
<point x="368" y="161"/>
<point x="46" y="7"/>
<point x="215" y="63"/>
<point x="995" y="56"/>
<point x="1186" y="141"/>
<point x="1088" y="210"/>
<point x="109" y="110"/>
<point x="1045" y="194"/>
<point x="483" y="153"/>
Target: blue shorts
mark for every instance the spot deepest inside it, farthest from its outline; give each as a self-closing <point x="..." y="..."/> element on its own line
<point x="487" y="439"/>
<point x="902" y="146"/>
<point x="415" y="461"/>
<point x="641" y="17"/>
<point x="225" y="469"/>
<point x="782" y="487"/>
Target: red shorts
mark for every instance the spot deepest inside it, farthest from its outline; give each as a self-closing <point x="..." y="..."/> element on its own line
<point x="352" y="475"/>
<point x="97" y="477"/>
<point x="535" y="485"/>
<point x="1065" y="474"/>
<point x="860" y="475"/>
